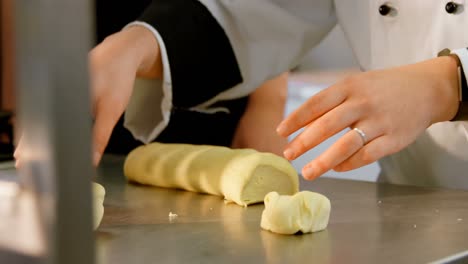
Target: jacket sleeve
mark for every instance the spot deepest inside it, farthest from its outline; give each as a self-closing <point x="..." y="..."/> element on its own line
<point x="224" y="49"/>
<point x="462" y="114"/>
<point x="215" y="45"/>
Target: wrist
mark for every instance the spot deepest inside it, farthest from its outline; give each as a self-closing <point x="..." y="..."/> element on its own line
<point x="447" y="92"/>
<point x="145" y="51"/>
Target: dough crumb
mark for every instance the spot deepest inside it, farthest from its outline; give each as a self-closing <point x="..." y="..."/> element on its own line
<point x="459" y="219"/>
<point x="172" y="216"/>
<point x="379" y="202"/>
<point x="414" y="226"/>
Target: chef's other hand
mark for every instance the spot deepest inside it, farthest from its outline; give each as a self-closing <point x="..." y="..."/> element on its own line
<point x="113" y="65"/>
<point x="391" y="107"/>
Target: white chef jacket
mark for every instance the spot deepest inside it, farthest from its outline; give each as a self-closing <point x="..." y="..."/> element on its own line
<point x="271" y="36"/>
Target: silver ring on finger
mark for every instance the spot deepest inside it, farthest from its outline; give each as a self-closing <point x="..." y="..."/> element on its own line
<point x="362" y="135"/>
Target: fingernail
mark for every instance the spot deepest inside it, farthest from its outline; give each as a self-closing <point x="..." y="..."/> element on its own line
<point x="308" y="173"/>
<point x="96" y="158"/>
<point x="289" y="154"/>
<point x="281" y="129"/>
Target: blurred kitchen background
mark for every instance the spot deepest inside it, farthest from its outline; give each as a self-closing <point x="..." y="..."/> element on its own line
<point x="330" y="61"/>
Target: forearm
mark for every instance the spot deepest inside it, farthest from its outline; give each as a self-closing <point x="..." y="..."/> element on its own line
<point x="265" y="110"/>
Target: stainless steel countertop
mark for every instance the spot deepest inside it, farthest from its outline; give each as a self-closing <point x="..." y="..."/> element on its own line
<point x="369" y="223"/>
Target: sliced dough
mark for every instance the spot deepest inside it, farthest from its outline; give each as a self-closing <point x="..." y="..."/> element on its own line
<point x="243" y="176"/>
<point x="98" y="203"/>
<point x="288" y="214"/>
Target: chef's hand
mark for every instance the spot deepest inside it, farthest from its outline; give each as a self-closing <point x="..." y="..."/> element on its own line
<point x="114" y="64"/>
<point x="265" y="110"/>
<point x="392" y="107"/>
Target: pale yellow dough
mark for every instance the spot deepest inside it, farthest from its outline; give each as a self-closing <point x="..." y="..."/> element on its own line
<point x="98" y="203"/>
<point x="288" y="214"/>
<point x="243" y="176"/>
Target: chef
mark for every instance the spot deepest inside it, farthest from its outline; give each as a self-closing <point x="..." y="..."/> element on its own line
<point x="405" y="110"/>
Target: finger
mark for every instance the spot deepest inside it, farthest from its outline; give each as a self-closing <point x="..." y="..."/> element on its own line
<point x="313" y="108"/>
<point x="349" y="144"/>
<point x="17" y="153"/>
<point x="371" y="152"/>
<point x="321" y="129"/>
<point x="106" y="119"/>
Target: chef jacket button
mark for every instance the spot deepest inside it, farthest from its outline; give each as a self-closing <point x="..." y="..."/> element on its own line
<point x="384" y="9"/>
<point x="451" y="7"/>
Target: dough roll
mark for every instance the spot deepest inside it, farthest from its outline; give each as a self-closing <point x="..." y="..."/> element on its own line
<point x="243" y="176"/>
<point x="288" y="214"/>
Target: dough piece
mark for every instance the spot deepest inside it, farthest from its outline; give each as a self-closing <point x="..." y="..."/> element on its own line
<point x="288" y="214"/>
<point x="243" y="176"/>
<point x="98" y="203"/>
